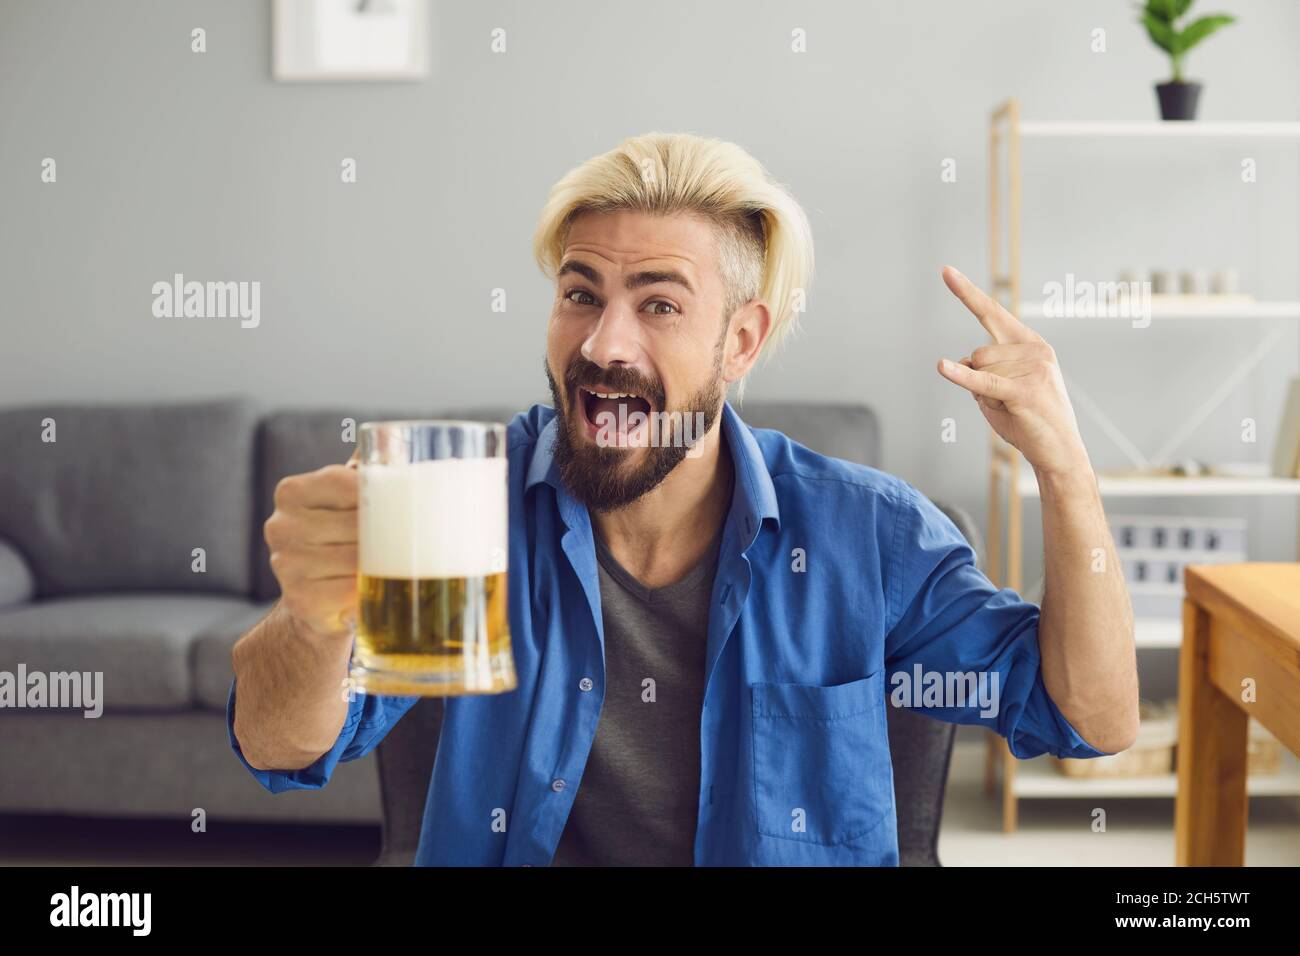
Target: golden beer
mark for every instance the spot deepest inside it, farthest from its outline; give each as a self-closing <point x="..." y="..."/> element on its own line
<point x="431" y="557"/>
<point x="449" y="629"/>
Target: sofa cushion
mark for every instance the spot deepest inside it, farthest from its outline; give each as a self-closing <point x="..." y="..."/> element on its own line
<point x="210" y="656"/>
<point x="293" y="442"/>
<point x="17" y="585"/>
<point x="140" y="642"/>
<point x="156" y="766"/>
<point x="124" y="494"/>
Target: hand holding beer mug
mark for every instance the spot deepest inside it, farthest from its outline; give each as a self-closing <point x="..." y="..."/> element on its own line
<point x="431" y="563"/>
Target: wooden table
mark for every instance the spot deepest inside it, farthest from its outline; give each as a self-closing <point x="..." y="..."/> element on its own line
<point x="1241" y="627"/>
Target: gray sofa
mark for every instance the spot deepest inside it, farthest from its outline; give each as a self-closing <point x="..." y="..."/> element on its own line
<point x="131" y="545"/>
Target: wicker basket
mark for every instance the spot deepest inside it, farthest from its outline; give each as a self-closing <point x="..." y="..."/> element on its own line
<point x="1263" y="751"/>
<point x="1154" y="751"/>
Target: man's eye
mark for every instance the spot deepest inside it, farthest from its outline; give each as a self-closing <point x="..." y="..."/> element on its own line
<point x="580" y="297"/>
<point x="667" y="307"/>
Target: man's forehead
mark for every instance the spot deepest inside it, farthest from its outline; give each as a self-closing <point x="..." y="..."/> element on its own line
<point x="627" y="239"/>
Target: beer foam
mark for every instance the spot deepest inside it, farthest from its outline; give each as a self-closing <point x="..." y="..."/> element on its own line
<point x="433" y="519"/>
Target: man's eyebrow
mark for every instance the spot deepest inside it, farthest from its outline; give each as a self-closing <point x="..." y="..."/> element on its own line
<point x="635" y="281"/>
<point x="584" y="270"/>
<point x="639" y="279"/>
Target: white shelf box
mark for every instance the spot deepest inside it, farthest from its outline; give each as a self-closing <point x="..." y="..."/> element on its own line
<point x="1204" y="540"/>
<point x="1155" y="549"/>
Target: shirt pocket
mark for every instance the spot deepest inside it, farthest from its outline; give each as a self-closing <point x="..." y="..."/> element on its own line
<point x="821" y="760"/>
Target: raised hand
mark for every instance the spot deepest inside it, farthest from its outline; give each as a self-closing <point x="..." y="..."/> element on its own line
<point x="1018" y="384"/>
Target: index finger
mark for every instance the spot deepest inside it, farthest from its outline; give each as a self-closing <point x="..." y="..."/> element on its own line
<point x="333" y="487"/>
<point x="1001" y="324"/>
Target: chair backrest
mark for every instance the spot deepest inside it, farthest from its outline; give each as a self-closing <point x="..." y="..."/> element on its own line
<point x="405" y="758"/>
<point x="920" y="747"/>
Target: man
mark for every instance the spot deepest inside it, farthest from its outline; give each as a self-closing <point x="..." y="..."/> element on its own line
<point x="705" y="636"/>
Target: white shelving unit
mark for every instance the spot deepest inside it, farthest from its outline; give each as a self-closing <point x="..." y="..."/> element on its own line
<point x="1091" y="129"/>
<point x="1037" y="778"/>
<point x="1112" y="486"/>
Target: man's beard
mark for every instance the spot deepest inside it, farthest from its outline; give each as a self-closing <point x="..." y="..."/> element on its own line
<point x="597" y="476"/>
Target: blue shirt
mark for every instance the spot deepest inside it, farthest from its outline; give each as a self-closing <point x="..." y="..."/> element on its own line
<point x="837" y="585"/>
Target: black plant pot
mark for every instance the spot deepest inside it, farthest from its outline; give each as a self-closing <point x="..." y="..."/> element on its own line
<point x="1178" y="100"/>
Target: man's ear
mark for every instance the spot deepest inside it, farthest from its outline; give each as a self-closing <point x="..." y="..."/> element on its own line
<point x="749" y="328"/>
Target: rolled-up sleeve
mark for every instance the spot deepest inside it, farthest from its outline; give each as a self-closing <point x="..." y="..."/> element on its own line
<point x="950" y="628"/>
<point x="370" y="717"/>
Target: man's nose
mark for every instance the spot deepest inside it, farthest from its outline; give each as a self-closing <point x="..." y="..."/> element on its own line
<point x="615" y="338"/>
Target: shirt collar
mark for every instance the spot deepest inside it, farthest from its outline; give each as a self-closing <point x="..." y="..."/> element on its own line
<point x="753" y="499"/>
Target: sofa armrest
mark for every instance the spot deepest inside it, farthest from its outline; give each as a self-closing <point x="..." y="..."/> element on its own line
<point x="966" y="525"/>
<point x="17" y="585"/>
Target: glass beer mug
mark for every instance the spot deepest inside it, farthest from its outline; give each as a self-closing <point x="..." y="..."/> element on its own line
<point x="431" y="562"/>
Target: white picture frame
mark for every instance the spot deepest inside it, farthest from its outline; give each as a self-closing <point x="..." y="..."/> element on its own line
<point x="349" y="40"/>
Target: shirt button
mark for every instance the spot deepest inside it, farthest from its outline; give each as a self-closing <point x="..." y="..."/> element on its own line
<point x="557" y="785"/>
<point x="585" y="684"/>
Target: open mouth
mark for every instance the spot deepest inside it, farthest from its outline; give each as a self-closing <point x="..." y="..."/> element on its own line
<point x="610" y="413"/>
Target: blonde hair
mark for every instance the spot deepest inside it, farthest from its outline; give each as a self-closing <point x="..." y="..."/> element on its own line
<point x="765" y="247"/>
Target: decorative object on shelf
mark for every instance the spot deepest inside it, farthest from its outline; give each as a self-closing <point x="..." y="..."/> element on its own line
<point x="1286" y="450"/>
<point x="1178" y="97"/>
<point x="1192" y="282"/>
<point x="1224" y="282"/>
<point x="334" y="40"/>
<point x="1189" y="468"/>
<point x="1194" y="286"/>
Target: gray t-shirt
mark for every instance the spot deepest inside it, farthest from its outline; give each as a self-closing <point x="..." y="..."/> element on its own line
<point x="638" y="798"/>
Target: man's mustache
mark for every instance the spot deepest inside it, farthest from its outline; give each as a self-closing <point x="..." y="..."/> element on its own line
<point x="584" y="374"/>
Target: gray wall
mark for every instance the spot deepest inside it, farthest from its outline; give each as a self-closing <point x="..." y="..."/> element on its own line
<point x="378" y="292"/>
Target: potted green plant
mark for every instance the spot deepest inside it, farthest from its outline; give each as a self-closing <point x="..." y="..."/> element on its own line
<point x="1160" y="17"/>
